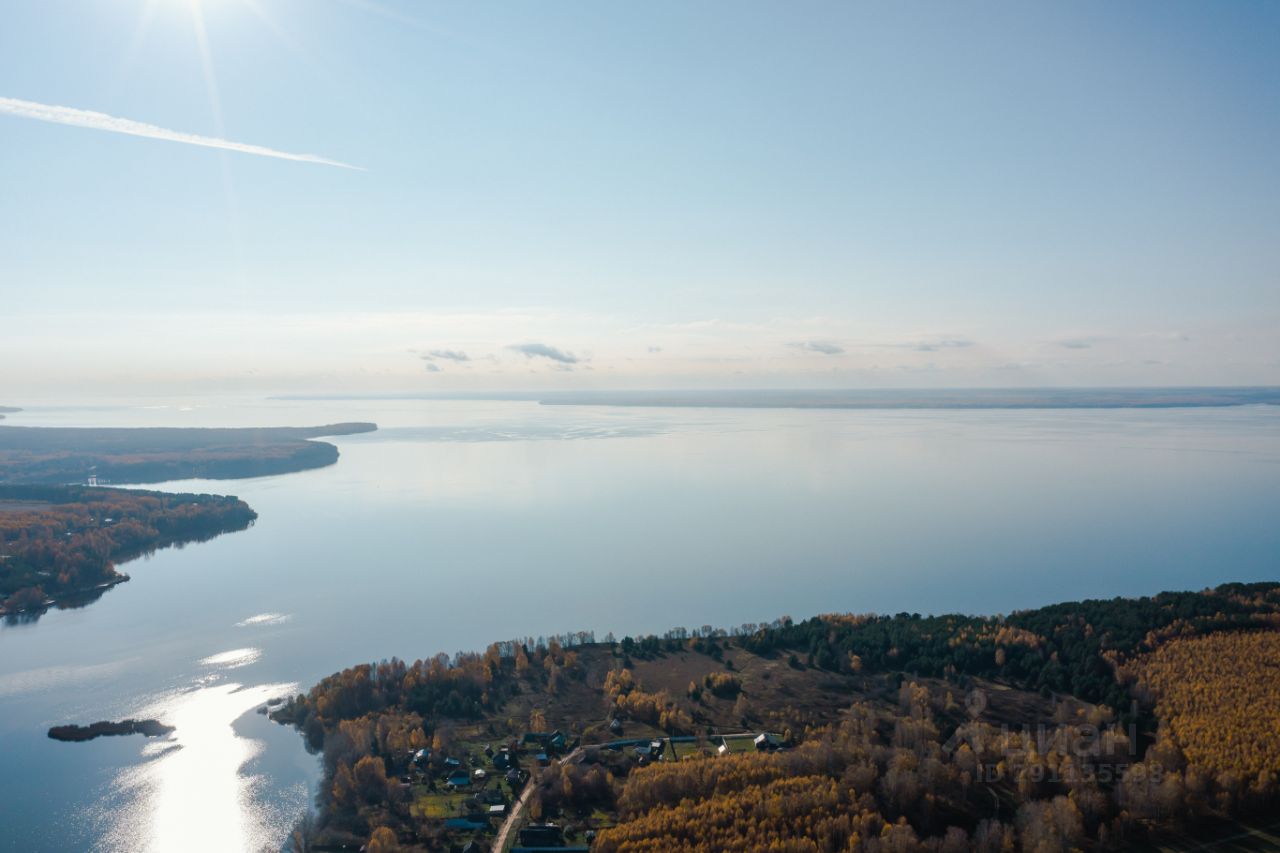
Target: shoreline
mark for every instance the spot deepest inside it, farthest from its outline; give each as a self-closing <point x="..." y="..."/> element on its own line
<point x="82" y="597"/>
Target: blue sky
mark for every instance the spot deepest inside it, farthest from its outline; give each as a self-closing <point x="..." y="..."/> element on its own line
<point x="666" y="194"/>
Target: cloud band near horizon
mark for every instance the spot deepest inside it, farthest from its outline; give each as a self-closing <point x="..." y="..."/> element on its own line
<point x="101" y="121"/>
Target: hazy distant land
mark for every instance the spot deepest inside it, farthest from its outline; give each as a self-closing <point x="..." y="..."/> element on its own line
<point x="152" y="455"/>
<point x="882" y="398"/>
<point x="993" y="398"/>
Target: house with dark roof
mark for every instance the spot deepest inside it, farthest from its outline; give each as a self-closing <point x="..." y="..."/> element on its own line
<point x="543" y="835"/>
<point x="490" y="796"/>
<point x="549" y="741"/>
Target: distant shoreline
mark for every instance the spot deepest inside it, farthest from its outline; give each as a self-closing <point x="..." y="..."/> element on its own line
<point x="157" y="454"/>
<point x="872" y="399"/>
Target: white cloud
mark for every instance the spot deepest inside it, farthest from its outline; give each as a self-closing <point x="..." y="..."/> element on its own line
<point x="102" y="121"/>
<point x="446" y="354"/>
<point x="536" y="350"/>
<point x="822" y="347"/>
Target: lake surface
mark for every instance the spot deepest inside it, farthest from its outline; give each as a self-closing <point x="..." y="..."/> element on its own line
<point x="463" y="522"/>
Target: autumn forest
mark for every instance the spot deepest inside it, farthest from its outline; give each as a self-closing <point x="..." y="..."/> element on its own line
<point x="60" y="544"/>
<point x="1086" y="725"/>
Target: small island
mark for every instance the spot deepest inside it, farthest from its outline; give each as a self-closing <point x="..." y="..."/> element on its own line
<point x="59" y="545"/>
<point x="103" y="728"/>
<point x="157" y="454"/>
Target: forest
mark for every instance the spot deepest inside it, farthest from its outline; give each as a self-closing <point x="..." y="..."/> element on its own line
<point x="61" y="544"/>
<point x="1098" y="724"/>
<point x="156" y="454"/>
<point x="1219" y="720"/>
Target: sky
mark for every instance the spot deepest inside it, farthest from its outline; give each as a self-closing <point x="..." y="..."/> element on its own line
<point x="290" y="196"/>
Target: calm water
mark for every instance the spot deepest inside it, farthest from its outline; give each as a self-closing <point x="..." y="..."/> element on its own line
<point x="464" y="522"/>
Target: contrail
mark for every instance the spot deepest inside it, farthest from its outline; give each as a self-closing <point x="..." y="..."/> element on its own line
<point x="102" y="121"/>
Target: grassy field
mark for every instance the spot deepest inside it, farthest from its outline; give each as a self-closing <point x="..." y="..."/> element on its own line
<point x="437" y="806"/>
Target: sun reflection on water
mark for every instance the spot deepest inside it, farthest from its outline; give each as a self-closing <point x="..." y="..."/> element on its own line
<point x="233" y="659"/>
<point x="189" y="792"/>
<point x="263" y="619"/>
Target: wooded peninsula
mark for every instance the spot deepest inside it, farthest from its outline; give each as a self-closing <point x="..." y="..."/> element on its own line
<point x="1092" y="725"/>
<point x="156" y="454"/>
<point x="59" y="545"/>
